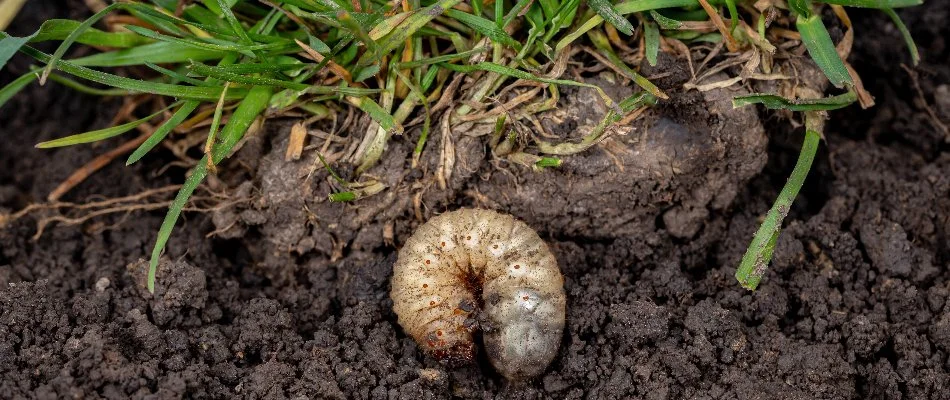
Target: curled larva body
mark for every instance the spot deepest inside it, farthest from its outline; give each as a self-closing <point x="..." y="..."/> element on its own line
<point x="474" y="269"/>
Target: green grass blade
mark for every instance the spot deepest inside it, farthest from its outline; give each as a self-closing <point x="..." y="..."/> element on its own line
<point x="9" y="46"/>
<point x="377" y="113"/>
<point x="485" y="27"/>
<point x="156" y="53"/>
<point x="516" y="11"/>
<point x="603" y="45"/>
<point x="61" y="50"/>
<point x="225" y="6"/>
<point x="253" y="68"/>
<point x="215" y="121"/>
<point x="82" y="88"/>
<point x="163" y="130"/>
<point x="217" y="6"/>
<point x="407" y="28"/>
<point x="627" y="7"/>
<point x="221" y="46"/>
<point x="774" y="102"/>
<point x="514" y="73"/>
<point x="146" y="14"/>
<point x="880" y="4"/>
<point x="356" y="29"/>
<point x="252" y="106"/>
<point x="59" y="29"/>
<point x="733" y="14"/>
<point x="164" y="89"/>
<point x="665" y="22"/>
<point x="756" y="259"/>
<point x="822" y="50"/>
<point x="651" y="38"/>
<point x="440" y="59"/>
<point x="366" y="73"/>
<point x="607" y="11"/>
<point x="224" y="75"/>
<point x="97" y="135"/>
<point x="12" y="88"/>
<point x="911" y="46"/>
<point x="198" y="174"/>
<point x="176" y="76"/>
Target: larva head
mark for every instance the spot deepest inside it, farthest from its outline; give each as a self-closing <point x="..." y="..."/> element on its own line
<point x="451" y="349"/>
<point x="524" y="333"/>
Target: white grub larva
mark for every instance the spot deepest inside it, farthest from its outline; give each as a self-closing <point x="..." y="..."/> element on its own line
<point x="477" y="270"/>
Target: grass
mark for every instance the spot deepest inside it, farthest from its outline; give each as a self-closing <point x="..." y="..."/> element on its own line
<point x="242" y="61"/>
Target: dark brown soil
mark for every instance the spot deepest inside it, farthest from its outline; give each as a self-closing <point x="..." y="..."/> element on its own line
<point x="290" y="299"/>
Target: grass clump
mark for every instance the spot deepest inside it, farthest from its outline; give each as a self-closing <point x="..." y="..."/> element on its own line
<point x="240" y="61"/>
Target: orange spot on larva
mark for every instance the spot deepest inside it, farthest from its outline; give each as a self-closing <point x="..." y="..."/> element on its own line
<point x="425" y="285"/>
<point x="469" y="237"/>
<point x="517" y="266"/>
<point x="432" y="303"/>
<point x="439" y="333"/>
<point x="428" y="262"/>
<point x="525" y="298"/>
<point x="443" y="244"/>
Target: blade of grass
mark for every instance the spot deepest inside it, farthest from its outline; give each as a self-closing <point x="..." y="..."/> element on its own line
<point x="627" y="7"/>
<point x="12" y="88"/>
<point x="733" y="15"/>
<point x="603" y="45"/>
<point x="774" y="102"/>
<point x="377" y="113"/>
<point x="519" y="9"/>
<point x="665" y="22"/>
<point x="651" y="39"/>
<point x="629" y="104"/>
<point x="225" y="10"/>
<point x="179" y="77"/>
<point x="163" y="130"/>
<point x="485" y="27"/>
<point x="82" y="88"/>
<point x="97" y="135"/>
<point x="156" y="53"/>
<point x="191" y="42"/>
<point x="147" y="15"/>
<point x="911" y="46"/>
<point x="9" y="46"/>
<point x="514" y="73"/>
<point x="822" y="49"/>
<point x="252" y="106"/>
<point x="61" y="50"/>
<point x="223" y="74"/>
<point x="164" y="89"/>
<point x="356" y="29"/>
<point x="59" y="29"/>
<point x="607" y="11"/>
<point x="881" y="4"/>
<point x="175" y="120"/>
<point x="213" y="130"/>
<point x="440" y="59"/>
<point x="756" y="259"/>
<point x="407" y="28"/>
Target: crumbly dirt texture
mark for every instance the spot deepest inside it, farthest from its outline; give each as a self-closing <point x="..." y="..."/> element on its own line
<point x="289" y="298"/>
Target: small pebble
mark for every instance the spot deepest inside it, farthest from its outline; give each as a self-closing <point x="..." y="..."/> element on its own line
<point x="102" y="284"/>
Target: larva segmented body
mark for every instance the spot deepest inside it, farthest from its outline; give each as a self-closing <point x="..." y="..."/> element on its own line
<point x="474" y="269"/>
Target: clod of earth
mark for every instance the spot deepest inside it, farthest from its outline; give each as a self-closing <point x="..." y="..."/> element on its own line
<point x="475" y="269"/>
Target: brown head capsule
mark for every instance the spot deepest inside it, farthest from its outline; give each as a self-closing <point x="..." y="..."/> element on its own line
<point x="477" y="269"/>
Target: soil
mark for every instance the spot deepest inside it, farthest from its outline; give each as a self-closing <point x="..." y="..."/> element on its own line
<point x="289" y="297"/>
